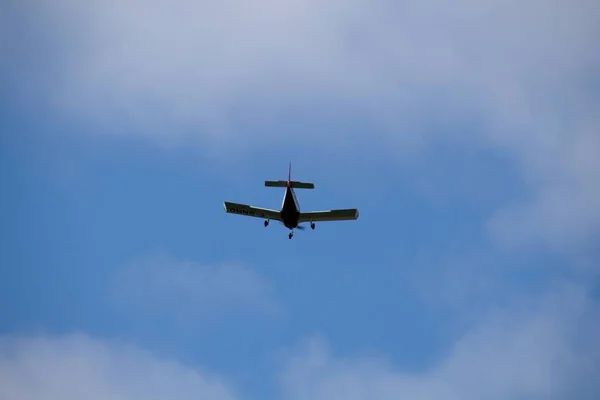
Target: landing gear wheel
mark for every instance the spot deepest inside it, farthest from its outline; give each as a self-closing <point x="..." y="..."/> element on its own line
<point x="291" y="235"/>
<point x="312" y="225"/>
<point x="266" y="223"/>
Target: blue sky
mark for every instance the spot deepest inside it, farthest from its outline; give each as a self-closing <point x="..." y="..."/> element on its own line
<point x="471" y="273"/>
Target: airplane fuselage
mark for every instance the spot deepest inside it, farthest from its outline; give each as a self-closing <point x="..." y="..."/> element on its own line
<point x="290" y="209"/>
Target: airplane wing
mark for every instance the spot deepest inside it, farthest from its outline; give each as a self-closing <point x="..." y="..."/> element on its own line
<point x="329" y="215"/>
<point x="250" y="211"/>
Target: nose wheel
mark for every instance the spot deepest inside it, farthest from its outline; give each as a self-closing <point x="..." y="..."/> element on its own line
<point x="291" y="235"/>
<point x="266" y="223"/>
<point x="312" y="225"/>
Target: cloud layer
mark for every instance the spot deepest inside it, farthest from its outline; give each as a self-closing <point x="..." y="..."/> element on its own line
<point x="519" y="74"/>
<point x="189" y="62"/>
<point x="535" y="349"/>
<point x="514" y="76"/>
<point x="77" y="366"/>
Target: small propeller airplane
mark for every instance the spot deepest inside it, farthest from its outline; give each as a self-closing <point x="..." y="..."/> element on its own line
<point x="290" y="214"/>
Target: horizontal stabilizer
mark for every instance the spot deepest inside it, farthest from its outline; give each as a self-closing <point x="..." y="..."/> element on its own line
<point x="276" y="183"/>
<point x="302" y="185"/>
<point x="293" y="184"/>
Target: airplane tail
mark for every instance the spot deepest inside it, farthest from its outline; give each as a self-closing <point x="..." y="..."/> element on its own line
<point x="290" y="182"/>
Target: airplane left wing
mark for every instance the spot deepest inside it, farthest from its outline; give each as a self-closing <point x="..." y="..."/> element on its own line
<point x="329" y="215"/>
<point x="250" y="211"/>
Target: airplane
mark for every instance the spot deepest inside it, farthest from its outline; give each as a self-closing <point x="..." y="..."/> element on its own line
<point x="289" y="214"/>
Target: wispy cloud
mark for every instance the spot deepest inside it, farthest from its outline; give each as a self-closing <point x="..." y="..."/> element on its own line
<point x="80" y="367"/>
<point x="184" y="289"/>
<point x="533" y="349"/>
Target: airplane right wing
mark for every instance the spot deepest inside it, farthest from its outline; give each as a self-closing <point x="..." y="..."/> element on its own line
<point x="329" y="215"/>
<point x="250" y="211"/>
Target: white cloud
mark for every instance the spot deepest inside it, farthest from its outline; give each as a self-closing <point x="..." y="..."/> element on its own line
<point x="187" y="290"/>
<point x="185" y="62"/>
<point x="184" y="72"/>
<point x="543" y="349"/>
<point x="80" y="367"/>
<point x="540" y="348"/>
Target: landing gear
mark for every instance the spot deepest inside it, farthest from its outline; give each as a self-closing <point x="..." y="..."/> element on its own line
<point x="291" y="235"/>
<point x="266" y="223"/>
<point x="312" y="225"/>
